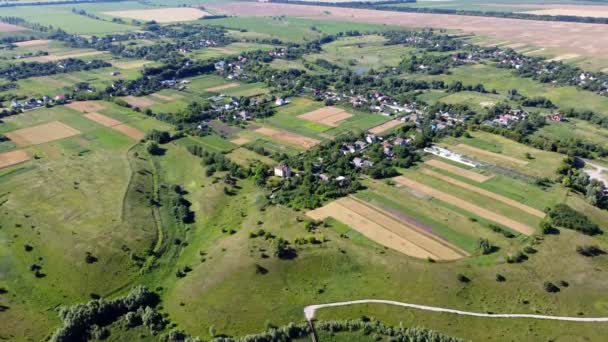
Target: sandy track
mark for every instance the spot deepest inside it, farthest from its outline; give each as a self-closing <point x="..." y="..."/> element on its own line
<point x="161" y="15"/>
<point x="330" y="116"/>
<point x="309" y="311"/>
<point x="13" y="158"/>
<point x="457" y="170"/>
<point x="223" y="87"/>
<point x="479" y="151"/>
<point x="385" y="126"/>
<point x="288" y="137"/>
<point x="381" y="227"/>
<point x="483" y="192"/>
<point x="462" y="204"/>
<point x="40" y="134"/>
<point x="566" y="37"/>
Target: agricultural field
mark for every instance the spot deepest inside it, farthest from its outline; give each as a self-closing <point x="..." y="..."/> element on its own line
<point x="190" y="198"/>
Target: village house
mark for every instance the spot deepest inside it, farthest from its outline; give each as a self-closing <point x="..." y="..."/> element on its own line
<point x="361" y="163"/>
<point x="282" y="170"/>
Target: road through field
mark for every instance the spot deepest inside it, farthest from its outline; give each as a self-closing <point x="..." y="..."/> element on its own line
<point x="562" y="37"/>
<point x="309" y="311"/>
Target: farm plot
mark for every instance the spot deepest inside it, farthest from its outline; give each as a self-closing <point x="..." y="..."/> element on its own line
<point x="13" y="158"/>
<point x="288" y="137"/>
<point x="56" y="57"/>
<point x="102" y="119"/>
<point x="139" y="102"/>
<point x="388" y="230"/>
<point x="464" y="205"/>
<point x="162" y="15"/>
<point x="223" y="87"/>
<point x="11" y="28"/>
<point x="457" y="170"/>
<point x="329" y="116"/>
<point x="40" y="134"/>
<point x="129" y="131"/>
<point x="385" y="126"/>
<point x="240" y="141"/>
<point x="35" y="42"/>
<point x="86" y="106"/>
<point x="482" y="152"/>
<point x="489" y="194"/>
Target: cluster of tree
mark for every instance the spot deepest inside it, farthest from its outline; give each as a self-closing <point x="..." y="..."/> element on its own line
<point x="32" y="69"/>
<point x="180" y="206"/>
<point x="372" y="329"/>
<point x="572" y="175"/>
<point x="427" y="63"/>
<point x="79" y="319"/>
<point x="427" y="39"/>
<point x="562" y="215"/>
<point x="217" y="162"/>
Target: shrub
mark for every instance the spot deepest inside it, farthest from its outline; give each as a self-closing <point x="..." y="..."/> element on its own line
<point x="561" y="215"/>
<point x="462" y="278"/>
<point x="500" y="278"/>
<point x="550" y="287"/>
<point x="589" y="251"/>
<point x="485" y="247"/>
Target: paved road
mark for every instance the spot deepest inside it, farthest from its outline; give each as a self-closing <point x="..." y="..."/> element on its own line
<point x="310" y="310"/>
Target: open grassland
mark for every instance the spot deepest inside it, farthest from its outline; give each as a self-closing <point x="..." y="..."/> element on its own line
<point x="575" y="129"/>
<point x="506" y="155"/>
<point x="290" y="29"/>
<point x="161" y="15"/>
<point x="503" y="80"/>
<point x="361" y="54"/>
<point x="62" y="16"/>
<point x="561" y="36"/>
<point x="228" y="50"/>
<point x="398" y="233"/>
<point x="245" y="157"/>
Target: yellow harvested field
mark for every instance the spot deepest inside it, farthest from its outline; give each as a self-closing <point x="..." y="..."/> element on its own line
<point x="13" y="158"/>
<point x="329" y="116"/>
<point x="139" y="102"/>
<point x="240" y="141"/>
<point x="86" y="106"/>
<point x="480" y="152"/>
<point x="40" y="134"/>
<point x="483" y="192"/>
<point x="387" y="230"/>
<point x="578" y="12"/>
<point x="102" y="119"/>
<point x="462" y="204"/>
<point x="223" y="87"/>
<point x="35" y="42"/>
<point x="129" y="131"/>
<point x="385" y="126"/>
<point x="458" y="170"/>
<point x="288" y="137"/>
<point x="161" y="15"/>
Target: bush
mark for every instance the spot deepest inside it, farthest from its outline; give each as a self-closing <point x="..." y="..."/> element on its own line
<point x="485" y="247"/>
<point x="462" y="278"/>
<point x="561" y="215"/>
<point x="550" y="287"/>
<point x="589" y="251"/>
<point x="500" y="278"/>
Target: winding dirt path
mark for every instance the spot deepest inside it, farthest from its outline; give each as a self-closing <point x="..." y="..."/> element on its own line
<point x="309" y="311"/>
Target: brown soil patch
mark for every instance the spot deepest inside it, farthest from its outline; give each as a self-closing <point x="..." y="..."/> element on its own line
<point x="240" y="141"/>
<point x="34" y="42"/>
<point x="13" y="158"/>
<point x="40" y="134"/>
<point x="478" y="151"/>
<point x="462" y="204"/>
<point x="102" y="119"/>
<point x="483" y="192"/>
<point x="387" y="230"/>
<point x="129" y="131"/>
<point x="385" y="127"/>
<point x="288" y="137"/>
<point x="329" y="116"/>
<point x="165" y="97"/>
<point x="139" y="102"/>
<point x="458" y="170"/>
<point x="86" y="106"/>
<point x="11" y="28"/>
<point x="223" y="87"/>
<point x="568" y="37"/>
<point x="161" y="15"/>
